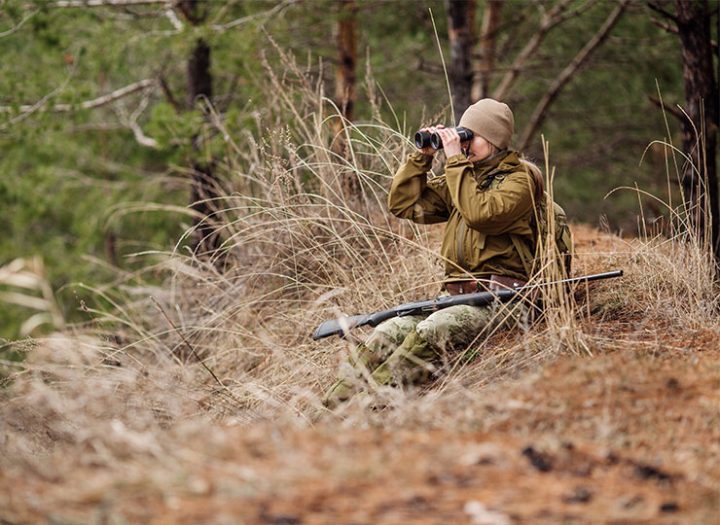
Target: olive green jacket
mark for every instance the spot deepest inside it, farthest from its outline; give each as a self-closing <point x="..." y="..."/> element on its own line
<point x="485" y="204"/>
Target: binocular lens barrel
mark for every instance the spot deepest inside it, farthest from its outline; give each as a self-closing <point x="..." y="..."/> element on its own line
<point x="423" y="139"/>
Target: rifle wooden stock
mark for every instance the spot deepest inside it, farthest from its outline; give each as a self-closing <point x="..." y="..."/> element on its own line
<point x="342" y="325"/>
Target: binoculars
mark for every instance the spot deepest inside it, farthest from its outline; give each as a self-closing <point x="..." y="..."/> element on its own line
<point x="423" y="139"/>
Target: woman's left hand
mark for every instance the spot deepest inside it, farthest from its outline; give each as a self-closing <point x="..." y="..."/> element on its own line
<point x="450" y="140"/>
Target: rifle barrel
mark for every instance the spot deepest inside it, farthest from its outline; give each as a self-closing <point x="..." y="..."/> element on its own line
<point x="342" y="325"/>
<point x="594" y="277"/>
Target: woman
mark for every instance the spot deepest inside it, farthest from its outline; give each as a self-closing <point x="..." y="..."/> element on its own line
<point x="486" y="196"/>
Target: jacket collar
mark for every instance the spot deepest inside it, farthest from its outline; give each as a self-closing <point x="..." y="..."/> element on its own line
<point x="505" y="160"/>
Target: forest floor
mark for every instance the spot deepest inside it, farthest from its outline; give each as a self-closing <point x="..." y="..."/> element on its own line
<point x="628" y="435"/>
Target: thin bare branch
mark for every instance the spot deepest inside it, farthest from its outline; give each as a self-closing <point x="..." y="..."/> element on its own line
<point x="17" y="27"/>
<point x="30" y="109"/>
<point x="422" y="65"/>
<point x="670" y="28"/>
<point x="131" y="121"/>
<point x="140" y="136"/>
<point x="191" y="347"/>
<point x="249" y="18"/>
<point x="169" y="94"/>
<point x="557" y="15"/>
<point x="662" y="11"/>
<point x="88" y="104"/>
<point x="670" y="109"/>
<point x="673" y="29"/>
<point x="541" y="109"/>
<point x="107" y="3"/>
<point x="174" y="19"/>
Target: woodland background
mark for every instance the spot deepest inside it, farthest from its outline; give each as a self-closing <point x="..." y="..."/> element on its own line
<point x="189" y="188"/>
<point x="108" y="124"/>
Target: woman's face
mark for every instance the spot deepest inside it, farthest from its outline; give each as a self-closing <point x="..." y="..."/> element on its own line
<point x="478" y="148"/>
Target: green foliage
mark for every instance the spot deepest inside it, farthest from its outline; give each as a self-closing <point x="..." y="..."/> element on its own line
<point x="66" y="177"/>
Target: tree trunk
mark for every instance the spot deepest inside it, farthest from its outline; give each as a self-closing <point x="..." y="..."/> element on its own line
<point x="204" y="188"/>
<point x="485" y="64"/>
<point x="461" y="31"/>
<point x="701" y="96"/>
<point x="345" y="91"/>
<point x="346" y="40"/>
<point x="199" y="76"/>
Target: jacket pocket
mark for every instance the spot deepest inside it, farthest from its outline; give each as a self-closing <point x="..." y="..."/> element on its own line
<point x="474" y="244"/>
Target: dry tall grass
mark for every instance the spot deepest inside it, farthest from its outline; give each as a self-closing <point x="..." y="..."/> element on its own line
<point x="228" y="337"/>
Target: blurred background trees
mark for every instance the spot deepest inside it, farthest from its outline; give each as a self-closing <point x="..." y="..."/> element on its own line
<point x="110" y="105"/>
<point x="699" y="118"/>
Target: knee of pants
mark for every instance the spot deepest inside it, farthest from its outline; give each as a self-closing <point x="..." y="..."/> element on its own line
<point x="412" y="362"/>
<point x="455" y="326"/>
<point x="388" y="335"/>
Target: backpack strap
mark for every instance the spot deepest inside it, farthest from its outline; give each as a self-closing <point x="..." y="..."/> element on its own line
<point x="527" y="254"/>
<point x="567" y="249"/>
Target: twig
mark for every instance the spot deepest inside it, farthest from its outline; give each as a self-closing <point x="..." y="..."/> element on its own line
<point x="174" y="20"/>
<point x="427" y="67"/>
<point x="88" y="104"/>
<point x="106" y="3"/>
<point x="665" y="26"/>
<point x="674" y="30"/>
<point x="662" y="11"/>
<point x="40" y="103"/>
<point x="131" y="121"/>
<point x="19" y="25"/>
<point x="249" y="18"/>
<point x="670" y="109"/>
<point x="567" y="73"/>
<point x="187" y="343"/>
<point x="554" y="17"/>
<point x="168" y="93"/>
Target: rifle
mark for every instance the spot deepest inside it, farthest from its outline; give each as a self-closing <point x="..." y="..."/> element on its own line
<point x="342" y="325"/>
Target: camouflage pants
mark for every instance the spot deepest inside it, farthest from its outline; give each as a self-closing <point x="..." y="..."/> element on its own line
<point x="413" y="349"/>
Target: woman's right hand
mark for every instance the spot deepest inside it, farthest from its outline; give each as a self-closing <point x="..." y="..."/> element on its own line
<point x="429" y="150"/>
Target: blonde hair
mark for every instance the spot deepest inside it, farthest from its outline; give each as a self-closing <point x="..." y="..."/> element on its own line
<point x="536" y="174"/>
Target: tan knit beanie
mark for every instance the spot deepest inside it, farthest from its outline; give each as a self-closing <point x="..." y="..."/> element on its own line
<point x="490" y="119"/>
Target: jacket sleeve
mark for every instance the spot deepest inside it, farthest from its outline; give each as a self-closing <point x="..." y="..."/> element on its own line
<point x="413" y="197"/>
<point x="493" y="210"/>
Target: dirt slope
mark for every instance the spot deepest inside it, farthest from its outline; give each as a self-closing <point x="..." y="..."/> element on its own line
<point x="629" y="434"/>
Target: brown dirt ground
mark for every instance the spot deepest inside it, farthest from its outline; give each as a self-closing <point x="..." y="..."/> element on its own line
<point x="627" y="436"/>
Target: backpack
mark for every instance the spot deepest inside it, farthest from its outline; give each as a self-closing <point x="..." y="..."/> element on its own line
<point x="562" y="238"/>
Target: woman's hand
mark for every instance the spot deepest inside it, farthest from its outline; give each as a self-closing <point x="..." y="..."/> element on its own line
<point x="451" y="141"/>
<point x="429" y="150"/>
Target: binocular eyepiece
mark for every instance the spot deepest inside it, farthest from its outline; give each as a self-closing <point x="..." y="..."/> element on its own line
<point x="423" y="139"/>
